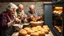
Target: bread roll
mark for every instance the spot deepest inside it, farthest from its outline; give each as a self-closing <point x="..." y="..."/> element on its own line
<point x="46" y="31"/>
<point x="34" y="29"/>
<point x="38" y="32"/>
<point x="27" y="35"/>
<point x="46" y="27"/>
<point x="43" y="30"/>
<point x="39" y="28"/>
<point x="27" y="28"/>
<point x="29" y="31"/>
<point x="22" y="32"/>
<point x="58" y="7"/>
<point x="34" y="34"/>
<point x="42" y="33"/>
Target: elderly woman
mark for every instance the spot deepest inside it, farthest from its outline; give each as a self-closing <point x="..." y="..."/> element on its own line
<point x="33" y="13"/>
<point x="7" y="19"/>
<point x="21" y="13"/>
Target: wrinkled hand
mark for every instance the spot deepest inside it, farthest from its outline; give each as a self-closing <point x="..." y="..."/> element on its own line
<point x="31" y="16"/>
<point x="25" y="20"/>
<point x="39" y="17"/>
<point x="17" y="20"/>
<point x="24" y="16"/>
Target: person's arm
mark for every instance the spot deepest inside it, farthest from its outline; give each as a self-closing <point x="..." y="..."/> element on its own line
<point x="11" y="22"/>
<point x="38" y="15"/>
<point x="5" y="23"/>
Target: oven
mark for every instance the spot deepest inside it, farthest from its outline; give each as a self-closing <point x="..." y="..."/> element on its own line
<point x="53" y="14"/>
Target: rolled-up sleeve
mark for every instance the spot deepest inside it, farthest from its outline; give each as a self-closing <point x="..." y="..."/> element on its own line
<point x="4" y="22"/>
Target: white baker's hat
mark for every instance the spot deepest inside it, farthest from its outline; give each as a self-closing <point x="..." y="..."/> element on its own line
<point x="11" y="6"/>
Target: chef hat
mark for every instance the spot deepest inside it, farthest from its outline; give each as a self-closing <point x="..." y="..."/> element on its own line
<point x="32" y="6"/>
<point x="11" y="6"/>
<point x="20" y="5"/>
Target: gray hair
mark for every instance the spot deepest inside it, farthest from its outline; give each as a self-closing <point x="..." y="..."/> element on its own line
<point x="11" y="6"/>
<point x="32" y="6"/>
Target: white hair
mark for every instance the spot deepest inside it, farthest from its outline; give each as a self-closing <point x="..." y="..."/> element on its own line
<point x="20" y="5"/>
<point x="11" y="6"/>
<point x="32" y="6"/>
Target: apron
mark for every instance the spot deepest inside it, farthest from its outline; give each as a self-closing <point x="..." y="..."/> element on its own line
<point x="7" y="32"/>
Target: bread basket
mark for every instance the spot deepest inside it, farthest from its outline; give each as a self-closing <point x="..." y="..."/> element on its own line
<point x="37" y="23"/>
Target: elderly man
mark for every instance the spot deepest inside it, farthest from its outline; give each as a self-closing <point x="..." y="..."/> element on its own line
<point x="7" y="19"/>
<point x="20" y="13"/>
<point x="33" y="13"/>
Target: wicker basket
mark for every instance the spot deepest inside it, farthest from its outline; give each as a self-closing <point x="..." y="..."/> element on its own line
<point x="37" y="23"/>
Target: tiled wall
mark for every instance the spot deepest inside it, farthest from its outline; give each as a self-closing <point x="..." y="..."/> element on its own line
<point x="39" y="6"/>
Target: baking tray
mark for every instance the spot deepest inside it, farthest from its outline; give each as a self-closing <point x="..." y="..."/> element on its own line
<point x="17" y="33"/>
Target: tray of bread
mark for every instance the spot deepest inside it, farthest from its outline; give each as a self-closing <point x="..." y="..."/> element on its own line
<point x="34" y="31"/>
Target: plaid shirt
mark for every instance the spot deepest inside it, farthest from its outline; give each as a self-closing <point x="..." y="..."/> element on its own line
<point x="4" y="20"/>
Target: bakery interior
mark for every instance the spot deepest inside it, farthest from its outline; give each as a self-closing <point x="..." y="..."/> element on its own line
<point x="50" y="23"/>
